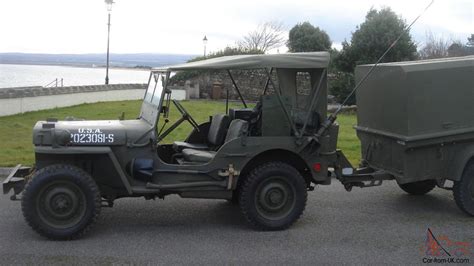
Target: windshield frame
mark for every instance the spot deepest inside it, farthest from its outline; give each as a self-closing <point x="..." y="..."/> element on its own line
<point x="151" y="110"/>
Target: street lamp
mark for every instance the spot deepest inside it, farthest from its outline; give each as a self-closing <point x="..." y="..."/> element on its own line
<point x="204" y="41"/>
<point x="109" y="4"/>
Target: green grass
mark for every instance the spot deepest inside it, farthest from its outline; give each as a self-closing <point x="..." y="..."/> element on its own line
<point x="348" y="141"/>
<point x="16" y="130"/>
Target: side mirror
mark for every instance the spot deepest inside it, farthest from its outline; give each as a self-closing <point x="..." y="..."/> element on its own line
<point x="164" y="110"/>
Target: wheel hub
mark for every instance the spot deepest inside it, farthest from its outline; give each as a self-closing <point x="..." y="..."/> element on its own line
<point x="275" y="198"/>
<point x="61" y="204"/>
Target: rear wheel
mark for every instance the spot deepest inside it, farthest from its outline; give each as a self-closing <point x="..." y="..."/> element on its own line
<point x="61" y="202"/>
<point x="463" y="190"/>
<point x="273" y="196"/>
<point x="418" y="188"/>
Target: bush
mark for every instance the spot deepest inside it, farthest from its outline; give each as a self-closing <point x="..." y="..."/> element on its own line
<point x="340" y="85"/>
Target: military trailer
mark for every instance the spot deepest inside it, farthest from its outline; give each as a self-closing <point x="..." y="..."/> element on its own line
<point x="416" y="122"/>
<point x="264" y="158"/>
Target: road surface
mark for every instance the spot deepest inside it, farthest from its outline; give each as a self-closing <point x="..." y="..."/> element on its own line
<point x="381" y="225"/>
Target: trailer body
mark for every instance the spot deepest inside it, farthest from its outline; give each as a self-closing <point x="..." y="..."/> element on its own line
<point x="416" y="119"/>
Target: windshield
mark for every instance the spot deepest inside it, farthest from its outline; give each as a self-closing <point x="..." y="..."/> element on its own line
<point x="152" y="99"/>
<point x="155" y="89"/>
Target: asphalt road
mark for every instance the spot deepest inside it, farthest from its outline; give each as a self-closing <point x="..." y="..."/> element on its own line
<point x="379" y="225"/>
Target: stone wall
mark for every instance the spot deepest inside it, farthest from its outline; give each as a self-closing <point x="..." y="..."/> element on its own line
<point x="25" y="99"/>
<point x="214" y="85"/>
<point x="190" y="89"/>
<point x="21" y="92"/>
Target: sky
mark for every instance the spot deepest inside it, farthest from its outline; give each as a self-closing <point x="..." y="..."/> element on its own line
<point x="178" y="27"/>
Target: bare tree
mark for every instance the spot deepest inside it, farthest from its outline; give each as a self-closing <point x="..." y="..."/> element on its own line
<point x="435" y="47"/>
<point x="267" y="36"/>
<point x="457" y="49"/>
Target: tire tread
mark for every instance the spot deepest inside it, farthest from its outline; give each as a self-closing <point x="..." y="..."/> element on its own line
<point x="36" y="181"/>
<point x="461" y="196"/>
<point x="250" y="180"/>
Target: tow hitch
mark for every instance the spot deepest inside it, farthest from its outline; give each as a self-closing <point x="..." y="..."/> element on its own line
<point x="363" y="177"/>
<point x="16" y="180"/>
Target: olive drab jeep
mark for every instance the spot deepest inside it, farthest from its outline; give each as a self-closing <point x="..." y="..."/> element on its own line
<point x="265" y="158"/>
<point x="412" y="123"/>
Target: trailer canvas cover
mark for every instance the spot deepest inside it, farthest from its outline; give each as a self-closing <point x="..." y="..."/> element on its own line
<point x="408" y="111"/>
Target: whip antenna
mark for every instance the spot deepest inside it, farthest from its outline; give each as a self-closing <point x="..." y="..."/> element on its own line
<point x="330" y="120"/>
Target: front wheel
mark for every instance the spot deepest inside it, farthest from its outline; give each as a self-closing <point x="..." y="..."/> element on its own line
<point x="463" y="190"/>
<point x="61" y="202"/>
<point x="273" y="196"/>
<point x="418" y="188"/>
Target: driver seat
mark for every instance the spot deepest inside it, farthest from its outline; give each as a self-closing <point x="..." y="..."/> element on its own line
<point x="237" y="129"/>
<point x="215" y="136"/>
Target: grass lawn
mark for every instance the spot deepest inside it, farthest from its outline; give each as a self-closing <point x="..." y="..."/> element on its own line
<point x="16" y="139"/>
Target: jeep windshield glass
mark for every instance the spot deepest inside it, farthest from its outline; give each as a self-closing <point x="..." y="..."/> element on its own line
<point x="155" y="89"/>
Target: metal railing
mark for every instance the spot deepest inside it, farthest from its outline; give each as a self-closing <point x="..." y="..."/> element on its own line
<point x="55" y="83"/>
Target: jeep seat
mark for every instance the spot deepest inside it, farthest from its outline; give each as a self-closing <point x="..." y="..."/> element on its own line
<point x="215" y="136"/>
<point x="237" y="129"/>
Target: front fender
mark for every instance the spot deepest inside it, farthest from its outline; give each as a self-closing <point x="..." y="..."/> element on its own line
<point x="84" y="150"/>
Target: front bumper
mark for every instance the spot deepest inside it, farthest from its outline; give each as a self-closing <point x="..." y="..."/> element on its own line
<point x="16" y="180"/>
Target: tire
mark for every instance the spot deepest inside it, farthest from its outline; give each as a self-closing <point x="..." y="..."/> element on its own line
<point x="418" y="188"/>
<point x="273" y="196"/>
<point x="463" y="190"/>
<point x="61" y="202"/>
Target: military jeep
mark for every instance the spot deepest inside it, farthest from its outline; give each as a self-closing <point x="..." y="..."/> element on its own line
<point x="265" y="158"/>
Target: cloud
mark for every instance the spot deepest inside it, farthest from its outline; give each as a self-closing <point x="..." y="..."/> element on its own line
<point x="178" y="26"/>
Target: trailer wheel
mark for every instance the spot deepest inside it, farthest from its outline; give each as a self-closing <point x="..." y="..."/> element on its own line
<point x="418" y="188"/>
<point x="273" y="196"/>
<point x="61" y="202"/>
<point x="463" y="190"/>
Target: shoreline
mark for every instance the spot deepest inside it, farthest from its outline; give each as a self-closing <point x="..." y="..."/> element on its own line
<point x="76" y="66"/>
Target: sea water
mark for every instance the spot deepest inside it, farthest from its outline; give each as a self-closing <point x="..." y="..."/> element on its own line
<point x="42" y="75"/>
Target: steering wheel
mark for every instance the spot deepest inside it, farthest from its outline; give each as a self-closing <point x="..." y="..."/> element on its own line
<point x="186" y="115"/>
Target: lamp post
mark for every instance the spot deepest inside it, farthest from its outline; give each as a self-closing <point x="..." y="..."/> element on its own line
<point x="109" y="4"/>
<point x="204" y="41"/>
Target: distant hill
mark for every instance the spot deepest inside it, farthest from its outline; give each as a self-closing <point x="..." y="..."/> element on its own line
<point x="89" y="60"/>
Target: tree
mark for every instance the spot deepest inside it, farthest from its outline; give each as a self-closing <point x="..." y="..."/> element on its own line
<point x="228" y="51"/>
<point x="373" y="37"/>
<point x="267" y="36"/>
<point x="304" y="37"/>
<point x="457" y="48"/>
<point x="435" y="47"/>
<point x="439" y="47"/>
<point x="470" y="41"/>
<point x="340" y="85"/>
